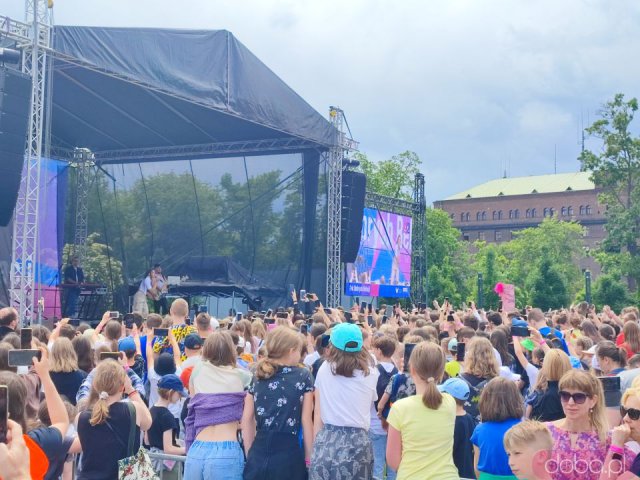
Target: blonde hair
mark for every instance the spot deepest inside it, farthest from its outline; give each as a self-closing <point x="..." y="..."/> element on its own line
<point x="480" y="359"/>
<point x="108" y="380"/>
<point x="427" y="362"/>
<point x="589" y="384"/>
<point x="280" y="341"/>
<point x="63" y="356"/>
<point x="179" y="307"/>
<point x="528" y="433"/>
<point x="219" y="349"/>
<point x="632" y="391"/>
<point x="556" y="363"/>
<point x="258" y="329"/>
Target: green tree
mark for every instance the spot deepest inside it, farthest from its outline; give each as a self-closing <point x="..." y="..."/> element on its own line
<point x="448" y="259"/>
<point x="549" y="287"/>
<point x="99" y="263"/>
<point x="609" y="290"/>
<point x="393" y="177"/>
<point x="616" y="170"/>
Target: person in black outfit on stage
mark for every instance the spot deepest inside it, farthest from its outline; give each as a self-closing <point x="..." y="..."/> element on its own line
<point x="73" y="275"/>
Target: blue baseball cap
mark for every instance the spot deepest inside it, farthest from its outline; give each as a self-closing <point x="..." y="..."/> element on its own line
<point x="518" y="322"/>
<point x="347" y="337"/>
<point x="172" y="382"/>
<point x="456" y="387"/>
<point x="126" y="344"/>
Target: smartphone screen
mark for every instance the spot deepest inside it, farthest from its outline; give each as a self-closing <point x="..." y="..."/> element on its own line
<point x="519" y="331"/>
<point x="370" y="307"/>
<point x="389" y="311"/>
<point x="238" y="316"/>
<point x="460" y="352"/>
<point x="282" y="315"/>
<point x="114" y="315"/>
<point x="408" y="348"/>
<point x="348" y="317"/>
<point x="161" y="332"/>
<point x="610" y="384"/>
<point x="370" y="320"/>
<point x="363" y="307"/>
<point x="4" y="412"/>
<point x="384" y="319"/>
<point x="74" y="322"/>
<point x="113" y="355"/>
<point x="270" y="321"/>
<point x="23" y="358"/>
<point x="25" y="338"/>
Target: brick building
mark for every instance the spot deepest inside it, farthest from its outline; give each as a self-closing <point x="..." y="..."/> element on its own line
<point x="493" y="210"/>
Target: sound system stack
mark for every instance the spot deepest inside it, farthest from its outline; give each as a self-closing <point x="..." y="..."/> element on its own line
<point x="354" y="188"/>
<point x="15" y="98"/>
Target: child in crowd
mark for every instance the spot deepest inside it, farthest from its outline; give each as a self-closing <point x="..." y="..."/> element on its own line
<point x="501" y="407"/>
<point x="162" y="436"/>
<point x="279" y="406"/>
<point x="465" y="424"/>
<point x="421" y="427"/>
<point x="528" y="445"/>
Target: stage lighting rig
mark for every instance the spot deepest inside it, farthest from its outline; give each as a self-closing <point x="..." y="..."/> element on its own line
<point x="350" y="163"/>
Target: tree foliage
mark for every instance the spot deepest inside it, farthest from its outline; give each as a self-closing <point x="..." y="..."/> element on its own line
<point x="99" y="264"/>
<point x="393" y="177"/>
<point x="616" y="170"/>
<point x="549" y="287"/>
<point x="609" y="290"/>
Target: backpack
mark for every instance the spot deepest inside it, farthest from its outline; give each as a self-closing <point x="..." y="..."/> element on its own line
<point x="383" y="381"/>
<point x="471" y="405"/>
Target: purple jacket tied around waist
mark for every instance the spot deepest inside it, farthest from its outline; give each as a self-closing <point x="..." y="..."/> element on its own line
<point x="206" y="409"/>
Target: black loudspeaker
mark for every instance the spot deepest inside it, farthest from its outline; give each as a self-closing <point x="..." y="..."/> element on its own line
<point x="354" y="187"/>
<point x="15" y="97"/>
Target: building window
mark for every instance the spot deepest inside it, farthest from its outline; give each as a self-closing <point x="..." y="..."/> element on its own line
<point x="581" y="210"/>
<point x="533" y="213"/>
<point x="465" y="237"/>
<point x="570" y="211"/>
<point x="510" y="214"/>
<point x="545" y="212"/>
<point x="484" y="215"/>
<point x="587" y="210"/>
<point x="516" y="213"/>
<point x="481" y="236"/>
<point x="494" y="215"/>
<point x="552" y="212"/>
<point x="478" y="216"/>
<point x="467" y="217"/>
<point x="563" y="211"/>
<point x="499" y="214"/>
<point x="462" y="217"/>
<point x="498" y="235"/>
<point x="527" y="213"/>
<point x="586" y="231"/>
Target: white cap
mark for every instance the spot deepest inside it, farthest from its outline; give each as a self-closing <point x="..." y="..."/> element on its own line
<point x="505" y="372"/>
<point x="592" y="350"/>
<point x="215" y="324"/>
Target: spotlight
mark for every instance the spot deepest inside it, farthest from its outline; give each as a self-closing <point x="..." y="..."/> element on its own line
<point x="8" y="55"/>
<point x="348" y="163"/>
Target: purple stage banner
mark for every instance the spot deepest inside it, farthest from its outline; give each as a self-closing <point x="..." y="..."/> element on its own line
<point x="383" y="265"/>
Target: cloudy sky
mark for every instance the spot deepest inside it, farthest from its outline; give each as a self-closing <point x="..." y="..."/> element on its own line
<point x="473" y="86"/>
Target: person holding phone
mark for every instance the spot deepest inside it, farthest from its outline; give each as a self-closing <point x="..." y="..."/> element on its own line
<point x="14" y="454"/>
<point x="66" y="375"/>
<point x="103" y="429"/>
<point x="8" y="321"/>
<point x="45" y="444"/>
<point x="179" y="311"/>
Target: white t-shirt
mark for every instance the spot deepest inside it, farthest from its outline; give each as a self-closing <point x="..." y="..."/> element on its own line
<point x="346" y="402"/>
<point x="310" y="359"/>
<point x="154" y="378"/>
<point x="532" y="373"/>
<point x="145" y="285"/>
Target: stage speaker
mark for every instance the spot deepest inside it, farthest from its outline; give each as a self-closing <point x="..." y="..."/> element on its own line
<point x="15" y="97"/>
<point x="354" y="187"/>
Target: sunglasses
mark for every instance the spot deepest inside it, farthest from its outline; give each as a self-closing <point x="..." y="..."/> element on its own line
<point x="633" y="413"/>
<point x="578" y="398"/>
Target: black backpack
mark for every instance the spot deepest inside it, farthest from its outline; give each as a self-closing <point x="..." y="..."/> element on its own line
<point x="383" y="380"/>
<point x="471" y="405"/>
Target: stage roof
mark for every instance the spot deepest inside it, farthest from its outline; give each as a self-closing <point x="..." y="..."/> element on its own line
<point x="122" y="89"/>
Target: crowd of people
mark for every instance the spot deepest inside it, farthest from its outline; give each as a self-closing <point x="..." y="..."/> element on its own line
<point x="366" y="393"/>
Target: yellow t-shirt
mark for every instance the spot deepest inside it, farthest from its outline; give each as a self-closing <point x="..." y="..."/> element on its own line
<point x="453" y="368"/>
<point x="427" y="438"/>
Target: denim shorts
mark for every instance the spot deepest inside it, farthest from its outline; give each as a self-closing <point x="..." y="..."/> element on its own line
<point x="214" y="461"/>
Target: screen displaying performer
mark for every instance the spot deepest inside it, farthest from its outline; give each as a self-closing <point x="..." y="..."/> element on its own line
<point x="72" y="275"/>
<point x="383" y="265"/>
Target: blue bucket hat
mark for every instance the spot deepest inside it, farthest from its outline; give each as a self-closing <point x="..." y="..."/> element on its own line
<point x="456" y="387"/>
<point x="126" y="344"/>
<point x="172" y="382"/>
<point x="347" y="337"/>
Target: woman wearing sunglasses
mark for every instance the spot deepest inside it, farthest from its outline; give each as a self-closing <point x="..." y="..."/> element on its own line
<point x="629" y="430"/>
<point x="580" y="440"/>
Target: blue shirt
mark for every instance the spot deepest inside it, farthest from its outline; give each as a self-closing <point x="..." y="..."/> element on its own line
<point x="544" y="331"/>
<point x="488" y="437"/>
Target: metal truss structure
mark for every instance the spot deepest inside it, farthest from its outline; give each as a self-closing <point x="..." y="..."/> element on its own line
<point x="83" y="161"/>
<point x="417" y="210"/>
<point x="33" y="38"/>
<point x="341" y="147"/>
<point x="204" y="150"/>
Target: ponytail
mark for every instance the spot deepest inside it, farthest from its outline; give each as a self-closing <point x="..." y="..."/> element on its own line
<point x="100" y="411"/>
<point x="432" y="398"/>
<point x="622" y="356"/>
<point x="266" y="369"/>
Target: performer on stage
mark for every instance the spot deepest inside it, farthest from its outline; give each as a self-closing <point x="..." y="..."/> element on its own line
<point x="73" y="275"/>
<point x="162" y="287"/>
<point x="147" y="290"/>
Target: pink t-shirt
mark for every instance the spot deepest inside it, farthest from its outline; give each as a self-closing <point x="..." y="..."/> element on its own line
<point x="585" y="460"/>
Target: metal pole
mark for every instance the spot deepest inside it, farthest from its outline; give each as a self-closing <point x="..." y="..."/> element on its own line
<point x="587" y="286"/>
<point x="480" y="291"/>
